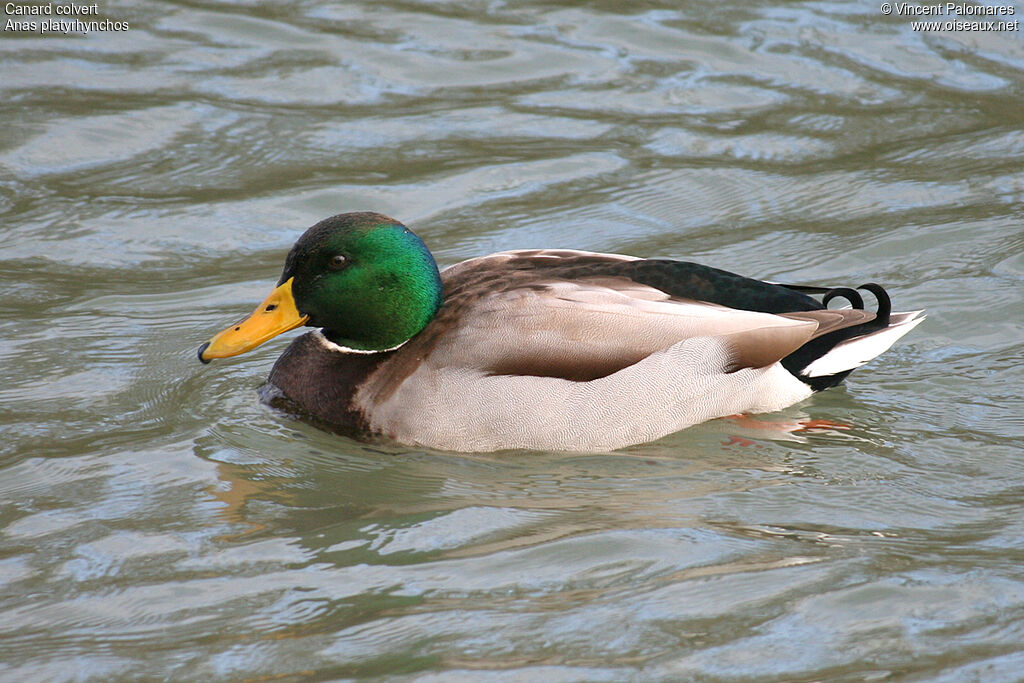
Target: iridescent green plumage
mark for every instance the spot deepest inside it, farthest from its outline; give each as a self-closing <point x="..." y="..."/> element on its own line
<point x="367" y="280"/>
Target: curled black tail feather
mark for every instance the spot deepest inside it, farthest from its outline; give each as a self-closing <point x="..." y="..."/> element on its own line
<point x="884" y="303"/>
<point x="816" y="348"/>
<point x="850" y="295"/>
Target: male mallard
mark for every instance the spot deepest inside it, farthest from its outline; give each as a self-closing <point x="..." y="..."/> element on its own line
<point x="541" y="349"/>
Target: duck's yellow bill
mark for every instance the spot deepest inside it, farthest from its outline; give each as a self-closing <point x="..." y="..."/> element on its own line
<point x="275" y="315"/>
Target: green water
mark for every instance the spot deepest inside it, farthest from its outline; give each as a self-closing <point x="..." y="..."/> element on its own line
<point x="158" y="523"/>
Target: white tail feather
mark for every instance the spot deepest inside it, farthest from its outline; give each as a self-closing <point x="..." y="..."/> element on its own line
<point x="853" y="353"/>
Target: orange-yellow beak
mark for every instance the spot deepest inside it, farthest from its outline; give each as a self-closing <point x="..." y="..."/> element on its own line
<point x="275" y="315"/>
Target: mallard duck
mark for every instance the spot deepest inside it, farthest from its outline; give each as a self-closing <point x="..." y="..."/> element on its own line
<point x="540" y="349"/>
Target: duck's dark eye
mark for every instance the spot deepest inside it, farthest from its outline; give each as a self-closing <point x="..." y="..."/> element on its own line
<point x="338" y="261"/>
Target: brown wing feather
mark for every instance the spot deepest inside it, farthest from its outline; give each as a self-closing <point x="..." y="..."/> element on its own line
<point x="830" y="320"/>
<point x="561" y="314"/>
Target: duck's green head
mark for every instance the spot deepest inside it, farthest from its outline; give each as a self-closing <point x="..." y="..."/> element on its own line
<point x="366" y="279"/>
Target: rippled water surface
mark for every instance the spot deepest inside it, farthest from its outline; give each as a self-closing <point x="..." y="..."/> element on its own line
<point x="158" y="522"/>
